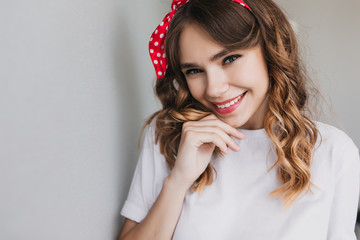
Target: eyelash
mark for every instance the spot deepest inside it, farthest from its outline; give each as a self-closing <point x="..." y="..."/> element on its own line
<point x="231" y="58"/>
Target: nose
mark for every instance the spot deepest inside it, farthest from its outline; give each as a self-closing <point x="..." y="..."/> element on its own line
<point x="216" y="83"/>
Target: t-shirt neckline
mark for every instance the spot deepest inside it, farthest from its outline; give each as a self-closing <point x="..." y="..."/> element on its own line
<point x="254" y="134"/>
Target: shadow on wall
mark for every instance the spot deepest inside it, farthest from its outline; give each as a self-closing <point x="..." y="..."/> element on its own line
<point x="357" y="227"/>
<point x="130" y="115"/>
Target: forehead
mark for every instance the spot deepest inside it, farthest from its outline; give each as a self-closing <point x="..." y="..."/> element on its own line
<point x="195" y="42"/>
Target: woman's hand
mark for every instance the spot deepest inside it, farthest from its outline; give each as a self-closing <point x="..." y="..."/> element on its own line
<point x="198" y="141"/>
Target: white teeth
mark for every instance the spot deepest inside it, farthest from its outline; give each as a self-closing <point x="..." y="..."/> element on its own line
<point x="230" y="103"/>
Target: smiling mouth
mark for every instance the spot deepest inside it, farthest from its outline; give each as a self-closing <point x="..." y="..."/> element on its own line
<point x="229" y="103"/>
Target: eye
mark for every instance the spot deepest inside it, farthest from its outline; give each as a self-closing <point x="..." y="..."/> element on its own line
<point x="230" y="59"/>
<point x="192" y="71"/>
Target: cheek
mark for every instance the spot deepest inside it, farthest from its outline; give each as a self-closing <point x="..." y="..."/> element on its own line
<point x="257" y="79"/>
<point x="196" y="89"/>
<point x="263" y="82"/>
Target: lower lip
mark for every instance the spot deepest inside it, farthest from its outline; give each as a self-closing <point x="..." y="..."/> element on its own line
<point x="230" y="109"/>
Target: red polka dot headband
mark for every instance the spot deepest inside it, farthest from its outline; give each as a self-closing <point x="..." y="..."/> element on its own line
<point x="157" y="40"/>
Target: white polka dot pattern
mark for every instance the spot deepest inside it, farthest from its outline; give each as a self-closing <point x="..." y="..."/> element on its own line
<point x="157" y="41"/>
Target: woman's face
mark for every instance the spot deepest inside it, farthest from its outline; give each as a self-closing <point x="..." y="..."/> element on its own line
<point x="233" y="84"/>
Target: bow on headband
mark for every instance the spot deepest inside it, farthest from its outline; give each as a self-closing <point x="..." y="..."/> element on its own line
<point x="157" y="40"/>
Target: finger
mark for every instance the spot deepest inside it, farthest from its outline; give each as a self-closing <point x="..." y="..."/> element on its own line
<point x="216" y="122"/>
<point x="210" y="137"/>
<point x="210" y="117"/>
<point x="221" y="133"/>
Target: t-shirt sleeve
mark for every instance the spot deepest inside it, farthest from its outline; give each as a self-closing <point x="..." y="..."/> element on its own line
<point x="150" y="173"/>
<point x="345" y="202"/>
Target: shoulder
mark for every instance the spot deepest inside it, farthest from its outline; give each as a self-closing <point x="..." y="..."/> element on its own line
<point x="151" y="159"/>
<point x="335" y="149"/>
<point x="151" y="145"/>
<point x="149" y="135"/>
<point x="333" y="137"/>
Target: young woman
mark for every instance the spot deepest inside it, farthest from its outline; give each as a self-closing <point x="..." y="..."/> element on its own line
<point x="234" y="152"/>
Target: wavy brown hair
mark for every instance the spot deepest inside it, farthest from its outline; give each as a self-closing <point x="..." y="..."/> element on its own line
<point x="287" y="121"/>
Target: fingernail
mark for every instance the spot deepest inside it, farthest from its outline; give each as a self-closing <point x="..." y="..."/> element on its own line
<point x="242" y="134"/>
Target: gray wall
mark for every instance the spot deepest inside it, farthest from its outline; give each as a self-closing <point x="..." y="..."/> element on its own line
<point x="76" y="86"/>
<point x="330" y="35"/>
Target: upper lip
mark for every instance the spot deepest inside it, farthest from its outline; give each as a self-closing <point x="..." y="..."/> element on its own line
<point x="226" y="101"/>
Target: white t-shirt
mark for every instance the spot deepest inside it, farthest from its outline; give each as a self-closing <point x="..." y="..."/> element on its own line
<point x="237" y="205"/>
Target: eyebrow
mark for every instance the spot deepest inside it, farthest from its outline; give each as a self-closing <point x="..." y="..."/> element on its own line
<point x="212" y="59"/>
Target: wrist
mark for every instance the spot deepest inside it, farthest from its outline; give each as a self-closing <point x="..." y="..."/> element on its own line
<point x="174" y="181"/>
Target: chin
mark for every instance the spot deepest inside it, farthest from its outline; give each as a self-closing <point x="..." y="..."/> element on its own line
<point x="234" y="121"/>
